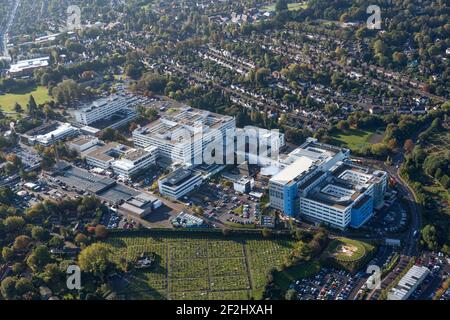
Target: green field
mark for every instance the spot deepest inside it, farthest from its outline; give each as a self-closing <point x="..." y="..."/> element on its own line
<point x="347" y="250"/>
<point x="291" y="6"/>
<point x="7" y="101"/>
<point x="199" y="267"/>
<point x="285" y="277"/>
<point x="355" y="139"/>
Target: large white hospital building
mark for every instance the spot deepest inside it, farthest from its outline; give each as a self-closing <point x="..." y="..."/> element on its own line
<point x="320" y="183"/>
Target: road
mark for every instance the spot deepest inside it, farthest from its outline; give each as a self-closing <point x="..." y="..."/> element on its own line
<point x="5" y="29"/>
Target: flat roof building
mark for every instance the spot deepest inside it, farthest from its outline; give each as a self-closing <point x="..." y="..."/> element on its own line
<point x="140" y="205"/>
<point x="258" y="146"/>
<point x="26" y="67"/>
<point x="123" y="160"/>
<point x="183" y="133"/>
<point x="410" y="281"/>
<point x="318" y="182"/>
<point x="83" y="143"/>
<point x="179" y="183"/>
<point x="106" y="108"/>
<point x="46" y="133"/>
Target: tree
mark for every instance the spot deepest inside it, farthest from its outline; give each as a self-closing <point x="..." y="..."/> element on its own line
<point x="399" y="58"/>
<point x="13" y="224"/>
<point x="7" y="254"/>
<point x="133" y="71"/>
<point x="23" y="285"/>
<point x="39" y="233"/>
<point x="408" y="146"/>
<point x="281" y="5"/>
<point x="380" y="150"/>
<point x="261" y="75"/>
<point x="18" y="268"/>
<point x="133" y="126"/>
<point x="81" y="239"/>
<point x="8" y="288"/>
<point x="67" y="91"/>
<point x="18" y="108"/>
<point x="39" y="258"/>
<point x="392" y="143"/>
<point x="56" y="242"/>
<point x="95" y="259"/>
<point x="291" y="294"/>
<point x="21" y="242"/>
<point x="266" y="233"/>
<point x="32" y="106"/>
<point x="343" y="125"/>
<point x="379" y="47"/>
<point x="100" y="231"/>
<point x="429" y="237"/>
<point x="53" y="273"/>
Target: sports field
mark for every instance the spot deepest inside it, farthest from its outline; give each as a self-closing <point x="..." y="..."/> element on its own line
<point x="355" y="139"/>
<point x="291" y="6"/>
<point x="7" y="101"/>
<point x="200" y="267"/>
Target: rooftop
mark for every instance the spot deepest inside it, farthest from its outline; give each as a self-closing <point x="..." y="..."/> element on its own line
<point x="103" y="153"/>
<point x="178" y="177"/>
<point x="29" y="64"/>
<point x="82" y="140"/>
<point x="176" y="120"/>
<point x="291" y="172"/>
<point x="409" y="280"/>
<point x="102" y="102"/>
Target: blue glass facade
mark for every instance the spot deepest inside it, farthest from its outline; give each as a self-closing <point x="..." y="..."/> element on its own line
<point x="290" y="193"/>
<point x="361" y="214"/>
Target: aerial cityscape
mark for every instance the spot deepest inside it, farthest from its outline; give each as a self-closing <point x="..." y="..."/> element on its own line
<point x="224" y="150"/>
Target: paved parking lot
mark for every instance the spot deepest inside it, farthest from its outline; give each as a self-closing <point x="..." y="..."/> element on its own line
<point x="329" y="284"/>
<point x="392" y="220"/>
<point x="225" y="204"/>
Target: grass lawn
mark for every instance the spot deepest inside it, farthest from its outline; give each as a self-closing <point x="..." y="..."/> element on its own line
<point x="356" y="138"/>
<point x="285" y="277"/>
<point x="344" y="249"/>
<point x="7" y="101"/>
<point x="347" y="253"/>
<point x="291" y="6"/>
<point x="199" y="267"/>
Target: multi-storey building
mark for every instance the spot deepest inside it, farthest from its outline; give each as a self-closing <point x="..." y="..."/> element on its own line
<point x="49" y="132"/>
<point x="83" y="143"/>
<point x="319" y="183"/>
<point x="124" y="161"/>
<point x="179" y="183"/>
<point x="105" y="108"/>
<point x="183" y="133"/>
<point x="134" y="161"/>
<point x="258" y="146"/>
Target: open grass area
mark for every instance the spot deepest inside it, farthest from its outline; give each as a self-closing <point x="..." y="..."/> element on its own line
<point x="348" y="253"/>
<point x="344" y="249"/>
<point x="285" y="277"/>
<point x="199" y="267"/>
<point x="7" y="101"/>
<point x="291" y="6"/>
<point x="355" y="139"/>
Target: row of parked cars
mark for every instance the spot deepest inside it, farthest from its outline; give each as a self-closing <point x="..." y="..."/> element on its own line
<point x="329" y="284"/>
